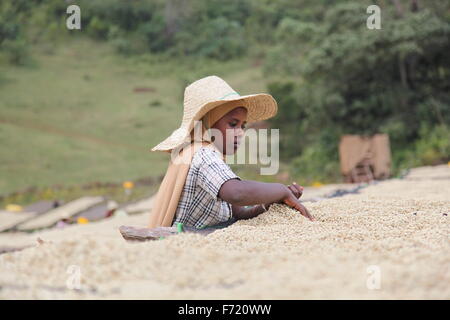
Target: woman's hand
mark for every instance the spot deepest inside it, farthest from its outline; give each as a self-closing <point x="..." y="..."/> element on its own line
<point x="296" y="190"/>
<point x="293" y="202"/>
<point x="246" y="193"/>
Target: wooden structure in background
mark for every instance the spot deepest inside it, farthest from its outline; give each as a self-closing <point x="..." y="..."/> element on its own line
<point x="364" y="159"/>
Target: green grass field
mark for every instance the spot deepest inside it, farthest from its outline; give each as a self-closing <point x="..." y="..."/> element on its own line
<point x="72" y="116"/>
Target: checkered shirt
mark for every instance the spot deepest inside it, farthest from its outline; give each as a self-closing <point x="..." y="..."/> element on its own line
<point x="199" y="204"/>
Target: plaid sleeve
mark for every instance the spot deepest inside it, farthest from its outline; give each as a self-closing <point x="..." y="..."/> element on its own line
<point x="213" y="172"/>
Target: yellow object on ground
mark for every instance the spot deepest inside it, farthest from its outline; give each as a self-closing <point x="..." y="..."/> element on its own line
<point x="82" y="220"/>
<point x="128" y="184"/>
<point x="317" y="184"/>
<point x="14" y="208"/>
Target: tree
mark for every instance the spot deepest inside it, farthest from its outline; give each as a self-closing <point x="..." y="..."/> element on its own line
<point x="354" y="80"/>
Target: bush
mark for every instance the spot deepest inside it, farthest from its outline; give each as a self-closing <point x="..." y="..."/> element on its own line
<point x="15" y="51"/>
<point x="433" y="146"/>
<point x="218" y="38"/>
<point x="316" y="164"/>
<point x="98" y="28"/>
<point x="351" y="80"/>
<point x="154" y="34"/>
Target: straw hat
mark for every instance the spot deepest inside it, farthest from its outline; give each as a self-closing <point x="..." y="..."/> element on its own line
<point x="207" y="93"/>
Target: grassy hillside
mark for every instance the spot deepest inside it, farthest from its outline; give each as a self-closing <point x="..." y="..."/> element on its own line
<point x="72" y="116"/>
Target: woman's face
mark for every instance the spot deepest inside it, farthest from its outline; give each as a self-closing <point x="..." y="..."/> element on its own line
<point x="232" y="126"/>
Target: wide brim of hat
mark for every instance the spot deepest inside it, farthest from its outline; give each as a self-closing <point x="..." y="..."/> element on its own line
<point x="259" y="106"/>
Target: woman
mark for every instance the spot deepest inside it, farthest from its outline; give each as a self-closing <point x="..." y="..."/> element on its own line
<point x="199" y="188"/>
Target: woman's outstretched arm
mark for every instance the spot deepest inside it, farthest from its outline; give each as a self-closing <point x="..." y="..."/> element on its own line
<point x="247" y="192"/>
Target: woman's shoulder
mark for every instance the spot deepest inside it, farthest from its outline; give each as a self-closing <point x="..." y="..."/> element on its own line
<point x="206" y="155"/>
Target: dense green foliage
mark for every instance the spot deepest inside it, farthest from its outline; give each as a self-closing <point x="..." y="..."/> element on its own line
<point x="175" y="27"/>
<point x="330" y="74"/>
<point x="352" y="80"/>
